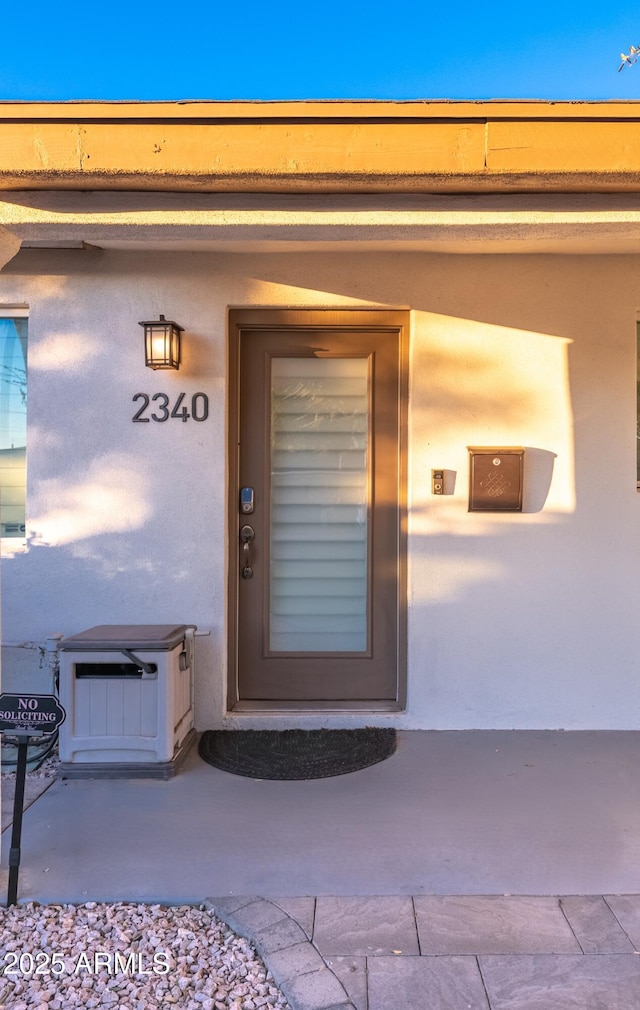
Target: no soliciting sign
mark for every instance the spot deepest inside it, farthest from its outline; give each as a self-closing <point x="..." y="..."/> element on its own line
<point x="30" y="713"/>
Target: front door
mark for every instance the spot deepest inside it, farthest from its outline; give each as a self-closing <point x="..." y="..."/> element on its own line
<point x="316" y="508"/>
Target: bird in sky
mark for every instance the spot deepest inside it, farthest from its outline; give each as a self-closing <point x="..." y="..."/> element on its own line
<point x="628" y="59"/>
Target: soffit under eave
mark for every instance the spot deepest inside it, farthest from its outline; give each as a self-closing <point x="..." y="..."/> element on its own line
<point x="578" y="223"/>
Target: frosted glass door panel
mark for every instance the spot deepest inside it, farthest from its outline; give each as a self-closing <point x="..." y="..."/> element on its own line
<point x="319" y="504"/>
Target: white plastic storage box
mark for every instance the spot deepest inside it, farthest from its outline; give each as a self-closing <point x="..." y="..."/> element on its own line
<point x="128" y="693"/>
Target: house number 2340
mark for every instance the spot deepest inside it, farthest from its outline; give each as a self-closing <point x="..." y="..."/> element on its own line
<point x="159" y="408"/>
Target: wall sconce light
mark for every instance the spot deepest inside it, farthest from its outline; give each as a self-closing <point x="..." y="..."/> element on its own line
<point x="162" y="343"/>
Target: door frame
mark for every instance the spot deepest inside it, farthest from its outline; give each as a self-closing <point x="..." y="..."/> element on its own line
<point x="313" y="318"/>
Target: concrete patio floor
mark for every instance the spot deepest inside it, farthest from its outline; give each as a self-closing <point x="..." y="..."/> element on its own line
<point x="450" y="813"/>
<point x="468" y="870"/>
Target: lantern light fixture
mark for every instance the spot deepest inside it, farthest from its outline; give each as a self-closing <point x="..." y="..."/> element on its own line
<point x="161" y="343"/>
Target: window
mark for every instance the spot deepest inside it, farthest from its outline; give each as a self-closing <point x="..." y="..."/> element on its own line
<point x="13" y="421"/>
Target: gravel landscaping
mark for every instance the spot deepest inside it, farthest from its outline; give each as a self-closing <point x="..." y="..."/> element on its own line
<point x="47" y="770"/>
<point x="129" y="956"/>
<point x="126" y="956"/>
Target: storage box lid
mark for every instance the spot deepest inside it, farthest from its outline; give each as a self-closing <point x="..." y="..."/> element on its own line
<point x="113" y="637"/>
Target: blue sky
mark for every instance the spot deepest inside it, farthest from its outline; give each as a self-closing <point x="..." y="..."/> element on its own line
<point x="401" y="49"/>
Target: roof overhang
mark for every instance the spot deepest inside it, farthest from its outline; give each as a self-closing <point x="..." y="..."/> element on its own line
<point x="445" y="176"/>
<point x="328" y="147"/>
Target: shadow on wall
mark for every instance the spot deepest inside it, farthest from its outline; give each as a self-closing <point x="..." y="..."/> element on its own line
<point x="492" y="358"/>
<point x="557" y="296"/>
<point x="538" y="476"/>
<point x="118" y="527"/>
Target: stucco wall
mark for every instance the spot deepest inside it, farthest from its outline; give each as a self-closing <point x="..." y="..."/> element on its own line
<point x="523" y="620"/>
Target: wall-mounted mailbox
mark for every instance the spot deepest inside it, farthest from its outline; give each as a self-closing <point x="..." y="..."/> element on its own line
<point x="495" y="479"/>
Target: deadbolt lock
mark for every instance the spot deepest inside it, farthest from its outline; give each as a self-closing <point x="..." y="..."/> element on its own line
<point x="246" y="500"/>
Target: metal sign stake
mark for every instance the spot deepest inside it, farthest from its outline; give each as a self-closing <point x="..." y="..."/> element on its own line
<point x="25" y="716"/>
<point x="16" y="830"/>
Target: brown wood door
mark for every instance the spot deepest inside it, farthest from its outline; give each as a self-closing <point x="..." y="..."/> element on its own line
<point x="317" y="540"/>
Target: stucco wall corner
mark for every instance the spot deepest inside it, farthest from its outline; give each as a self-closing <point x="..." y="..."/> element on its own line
<point x="9" y="246"/>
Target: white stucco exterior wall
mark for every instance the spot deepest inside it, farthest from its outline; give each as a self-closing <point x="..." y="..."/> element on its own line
<point x="515" y="621"/>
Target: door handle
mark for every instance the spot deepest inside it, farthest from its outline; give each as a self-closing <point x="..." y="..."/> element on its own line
<point x="247" y="536"/>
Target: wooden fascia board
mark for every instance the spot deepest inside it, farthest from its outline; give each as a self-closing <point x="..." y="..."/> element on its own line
<point x="322" y="147"/>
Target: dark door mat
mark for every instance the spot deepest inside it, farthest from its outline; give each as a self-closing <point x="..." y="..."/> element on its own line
<point x="296" y="753"/>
